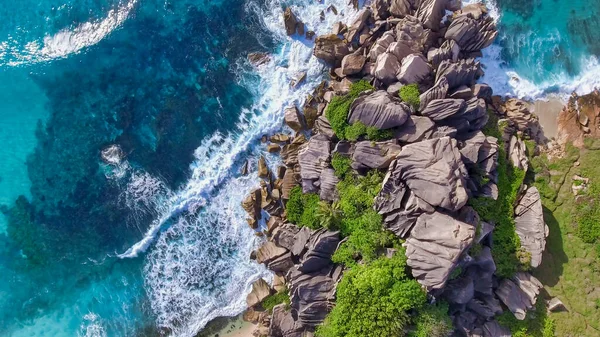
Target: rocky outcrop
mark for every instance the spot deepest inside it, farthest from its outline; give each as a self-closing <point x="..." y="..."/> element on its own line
<point x="352" y="64"/>
<point x="260" y="291"/>
<point x="416" y="128"/>
<point x="386" y="68"/>
<point x="517" y="153"/>
<point x="313" y="157"/>
<point x="431" y="12"/>
<point x="359" y="23"/>
<point x="530" y="225"/>
<point x="440" y="109"/>
<point x="434" y="246"/>
<point x="294" y="119"/>
<point x="330" y="48"/>
<point x="371" y="155"/>
<point x="519" y="293"/>
<point x="463" y="72"/>
<point x="327" y="184"/>
<point x="471" y="30"/>
<point x="434" y="172"/>
<point x="414" y="69"/>
<point x="379" y="109"/>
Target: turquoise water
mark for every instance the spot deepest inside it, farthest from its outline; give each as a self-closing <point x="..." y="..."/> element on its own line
<point x="545" y="46"/>
<point x="154" y="243"/>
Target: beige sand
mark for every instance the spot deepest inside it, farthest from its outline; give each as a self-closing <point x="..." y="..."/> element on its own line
<point x="238" y="328"/>
<point x="547" y="111"/>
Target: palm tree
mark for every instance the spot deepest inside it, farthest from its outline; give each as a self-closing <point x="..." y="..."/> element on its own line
<point x="329" y="215"/>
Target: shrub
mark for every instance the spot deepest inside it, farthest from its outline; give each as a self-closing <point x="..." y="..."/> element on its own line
<point x="302" y="208"/>
<point x="341" y="164"/>
<point x="376" y="134"/>
<point x="507" y="245"/>
<point x="432" y="321"/>
<point x="338" y="109"/>
<point x="354" y="131"/>
<point x="272" y="300"/>
<point x="410" y="95"/>
<point x="373" y="300"/>
<point x="536" y="323"/>
<point x="329" y="215"/>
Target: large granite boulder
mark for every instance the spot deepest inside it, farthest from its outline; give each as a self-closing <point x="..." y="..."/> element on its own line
<point x="396" y="203"/>
<point x="480" y="155"/>
<point x="313" y="157"/>
<point x="370" y="155"/>
<point x="283" y="324"/>
<point x="462" y="72"/>
<point x="294" y="119"/>
<point x="435" y="245"/>
<point x="519" y="293"/>
<point x="330" y="48"/>
<point x="416" y="129"/>
<point x="323" y="126"/>
<point x="438" y="91"/>
<point x="517" y="153"/>
<point x="386" y="67"/>
<point x="400" y="50"/>
<point x="260" y="291"/>
<point x="353" y="64"/>
<point x="410" y="32"/>
<point x="268" y="252"/>
<point x="327" y="185"/>
<point x="414" y="69"/>
<point x="530" y="225"/>
<point x="401" y="8"/>
<point x="379" y="109"/>
<point x="359" y="23"/>
<point x="431" y="12"/>
<point x="471" y="34"/>
<point x="290" y="21"/>
<point x="434" y="172"/>
<point x="381" y="45"/>
<point x="440" y="109"/>
<point x="521" y="117"/>
<point x="320" y="247"/>
<point x="449" y="50"/>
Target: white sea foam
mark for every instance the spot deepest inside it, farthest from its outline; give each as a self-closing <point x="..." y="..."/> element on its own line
<point x="506" y="81"/>
<point x="198" y="267"/>
<point x="67" y="41"/>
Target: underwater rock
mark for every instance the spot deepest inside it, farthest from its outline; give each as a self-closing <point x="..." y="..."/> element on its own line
<point x="112" y="154"/>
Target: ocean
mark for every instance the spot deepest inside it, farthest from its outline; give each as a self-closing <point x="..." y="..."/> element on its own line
<point x="156" y="243"/>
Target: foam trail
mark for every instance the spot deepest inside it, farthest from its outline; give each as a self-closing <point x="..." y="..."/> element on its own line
<point x="218" y="154"/>
<point x="198" y="267"/>
<point x="508" y="82"/>
<point x="66" y="41"/>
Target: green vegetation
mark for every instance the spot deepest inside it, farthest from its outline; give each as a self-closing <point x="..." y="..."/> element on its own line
<point x="337" y="113"/>
<point x="272" y="300"/>
<point x="373" y="300"/>
<point x="302" y="208"/>
<point x="341" y="164"/>
<point x="507" y="252"/>
<point x="432" y="321"/>
<point x="329" y="215"/>
<point x="410" y="94"/>
<point x="536" y="324"/>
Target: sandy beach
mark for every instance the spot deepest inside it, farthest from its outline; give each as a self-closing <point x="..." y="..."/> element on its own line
<point x="547" y="111"/>
<point x="237" y="328"/>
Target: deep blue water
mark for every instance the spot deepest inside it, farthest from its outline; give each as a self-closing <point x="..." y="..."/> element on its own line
<point x="157" y="244"/>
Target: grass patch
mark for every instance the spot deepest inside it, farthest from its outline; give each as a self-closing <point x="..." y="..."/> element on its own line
<point x="536" y="324"/>
<point x="275" y="299"/>
<point x="410" y="94"/>
<point x="432" y="321"/>
<point x="506" y="250"/>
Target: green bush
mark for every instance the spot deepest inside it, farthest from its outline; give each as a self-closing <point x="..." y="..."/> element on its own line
<point x="373" y="300"/>
<point x="432" y="321"/>
<point x="272" y="300"/>
<point x="341" y="164"/>
<point x="376" y="134"/>
<point x="507" y="245"/>
<point x="338" y="109"/>
<point x="354" y="131"/>
<point x="410" y="95"/>
<point x="302" y="208"/>
<point x="329" y="215"/>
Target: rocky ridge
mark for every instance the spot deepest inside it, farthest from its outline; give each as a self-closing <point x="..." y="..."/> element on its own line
<point x="436" y="160"/>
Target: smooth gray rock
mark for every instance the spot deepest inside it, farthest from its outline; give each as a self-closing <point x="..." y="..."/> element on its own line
<point x="435" y="245"/>
<point x="323" y="126"/>
<point x="400" y="8"/>
<point x="328" y="182"/>
<point x="462" y="92"/>
<point x="517" y="153"/>
<point x="300" y="240"/>
<point x="321" y="245"/>
<point x="396" y="203"/>
<point x="410" y="32"/>
<point x="386" y="68"/>
<point x="440" y="109"/>
<point x="530" y="225"/>
<point x="283" y="324"/>
<point x="281" y="264"/>
<point x="268" y="252"/>
<point x="434" y="172"/>
<point x="459" y="291"/>
<point x="519" y="293"/>
<point x="414" y="69"/>
<point x="463" y="72"/>
<point x="285" y="236"/>
<point x="480" y="155"/>
<point x="449" y="50"/>
<point x="260" y="291"/>
<point x="358" y="24"/>
<point x="400" y="50"/>
<point x="313" y="157"/>
<point x="482" y="90"/>
<point x="416" y="129"/>
<point x="371" y="155"/>
<point x="379" y="109"/>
